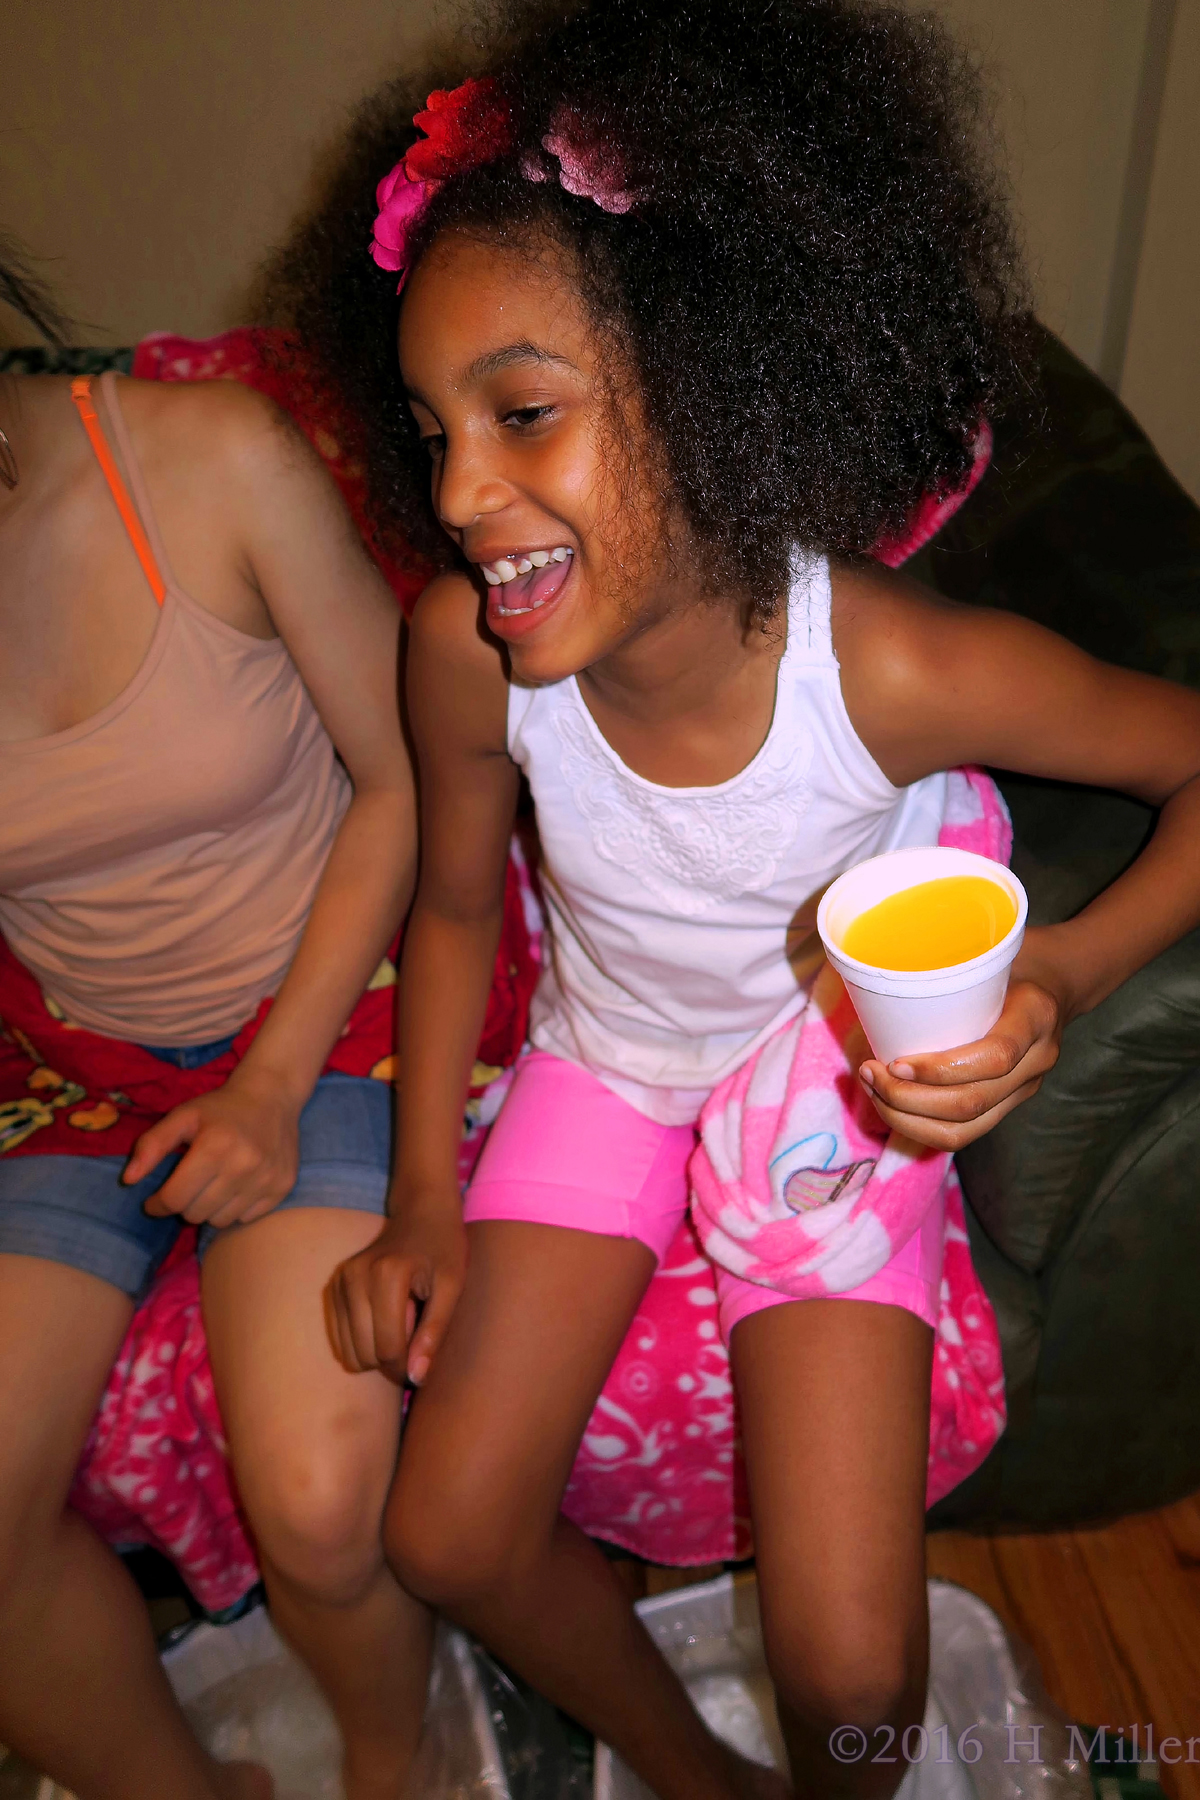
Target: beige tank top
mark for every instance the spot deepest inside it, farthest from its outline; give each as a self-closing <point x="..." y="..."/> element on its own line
<point x="159" y="860"/>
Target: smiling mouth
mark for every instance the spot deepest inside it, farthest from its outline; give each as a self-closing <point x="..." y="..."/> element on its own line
<point x="528" y="579"/>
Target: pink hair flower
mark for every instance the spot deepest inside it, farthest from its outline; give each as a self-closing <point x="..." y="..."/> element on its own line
<point x="588" y="166"/>
<point x="400" y="200"/>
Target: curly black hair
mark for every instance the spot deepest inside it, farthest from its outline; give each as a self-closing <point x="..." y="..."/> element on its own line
<point x="819" y="286"/>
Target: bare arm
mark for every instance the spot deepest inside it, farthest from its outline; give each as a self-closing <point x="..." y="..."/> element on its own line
<point x="458" y="697"/>
<point x="930" y="685"/>
<point x="458" y="706"/>
<point x="341" y="625"/>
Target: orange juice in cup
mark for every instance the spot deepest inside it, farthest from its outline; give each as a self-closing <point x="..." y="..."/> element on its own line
<point x="924" y="940"/>
<point x="933" y="924"/>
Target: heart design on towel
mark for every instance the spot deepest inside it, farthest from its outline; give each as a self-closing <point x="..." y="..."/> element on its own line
<point x="806" y="1189"/>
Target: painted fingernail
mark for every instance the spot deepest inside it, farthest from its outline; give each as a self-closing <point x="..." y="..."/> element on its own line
<point x="903" y="1071"/>
<point x="866" y="1077"/>
<point x="418" y="1369"/>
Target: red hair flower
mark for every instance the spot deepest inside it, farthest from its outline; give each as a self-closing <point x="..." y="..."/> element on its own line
<point x="465" y="127"/>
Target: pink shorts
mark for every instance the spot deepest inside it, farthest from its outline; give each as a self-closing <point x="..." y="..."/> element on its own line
<point x="565" y="1150"/>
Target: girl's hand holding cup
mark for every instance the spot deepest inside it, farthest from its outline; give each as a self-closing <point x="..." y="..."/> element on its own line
<point x="963" y="1011"/>
<point x="948" y="1098"/>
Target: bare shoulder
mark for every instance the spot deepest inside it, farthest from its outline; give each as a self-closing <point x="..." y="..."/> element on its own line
<point x="929" y="684"/>
<point x="238" y="461"/>
<point x="904" y="649"/>
<point x="446" y="621"/>
<point x="257" y="527"/>
<point x="222" y="426"/>
<point x="456" y="672"/>
<point x="887" y="627"/>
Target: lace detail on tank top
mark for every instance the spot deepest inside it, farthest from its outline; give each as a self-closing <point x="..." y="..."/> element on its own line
<point x="692" y="851"/>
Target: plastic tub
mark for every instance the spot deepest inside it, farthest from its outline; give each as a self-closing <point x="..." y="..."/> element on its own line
<point x="980" y="1686"/>
<point x="247" y="1696"/>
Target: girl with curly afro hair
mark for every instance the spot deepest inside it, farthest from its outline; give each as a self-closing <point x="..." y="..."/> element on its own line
<point x="693" y="301"/>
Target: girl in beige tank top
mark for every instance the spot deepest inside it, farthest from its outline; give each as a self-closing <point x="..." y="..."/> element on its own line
<point x="207" y="801"/>
<point x="158" y="860"/>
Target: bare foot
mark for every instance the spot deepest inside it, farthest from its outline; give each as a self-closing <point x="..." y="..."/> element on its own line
<point x="243" y="1781"/>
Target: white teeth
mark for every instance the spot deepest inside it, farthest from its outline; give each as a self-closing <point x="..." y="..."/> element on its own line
<point x="512" y="612"/>
<point x="507" y="568"/>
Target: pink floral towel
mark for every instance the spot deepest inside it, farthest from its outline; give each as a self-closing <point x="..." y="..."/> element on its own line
<point x="796" y="1183"/>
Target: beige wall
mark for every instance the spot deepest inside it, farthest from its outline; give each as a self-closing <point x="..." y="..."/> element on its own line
<point x="1079" y="111"/>
<point x="1161" y="377"/>
<point x="1065" y="75"/>
<point x="151" y="149"/>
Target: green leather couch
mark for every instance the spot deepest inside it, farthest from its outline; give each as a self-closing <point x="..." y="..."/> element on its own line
<point x="1084" y="1204"/>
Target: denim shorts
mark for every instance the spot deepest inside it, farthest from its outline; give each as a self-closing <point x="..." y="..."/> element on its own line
<point x="75" y="1210"/>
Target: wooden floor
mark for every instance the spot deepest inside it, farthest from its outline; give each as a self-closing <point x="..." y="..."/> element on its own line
<point x="1112" y="1614"/>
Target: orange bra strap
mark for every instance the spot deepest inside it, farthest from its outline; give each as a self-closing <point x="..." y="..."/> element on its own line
<point x="81" y="394"/>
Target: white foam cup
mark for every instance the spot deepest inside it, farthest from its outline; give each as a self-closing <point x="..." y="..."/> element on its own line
<point x="911" y="1011"/>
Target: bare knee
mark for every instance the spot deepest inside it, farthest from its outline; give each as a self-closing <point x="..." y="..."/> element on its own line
<point x="32" y="1520"/>
<point x="59" y="1332"/>
<point x="864" y="1674"/>
<point x="26" y="1537"/>
<point x="319" y="1529"/>
<point x="447" y="1545"/>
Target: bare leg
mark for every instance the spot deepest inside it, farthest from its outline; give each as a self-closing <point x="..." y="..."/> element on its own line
<point x="82" y="1693"/>
<point x="473" y="1523"/>
<point x="834" y="1398"/>
<point x="315" y="1451"/>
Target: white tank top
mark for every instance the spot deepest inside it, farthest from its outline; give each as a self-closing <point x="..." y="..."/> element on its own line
<point x="682" y="920"/>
